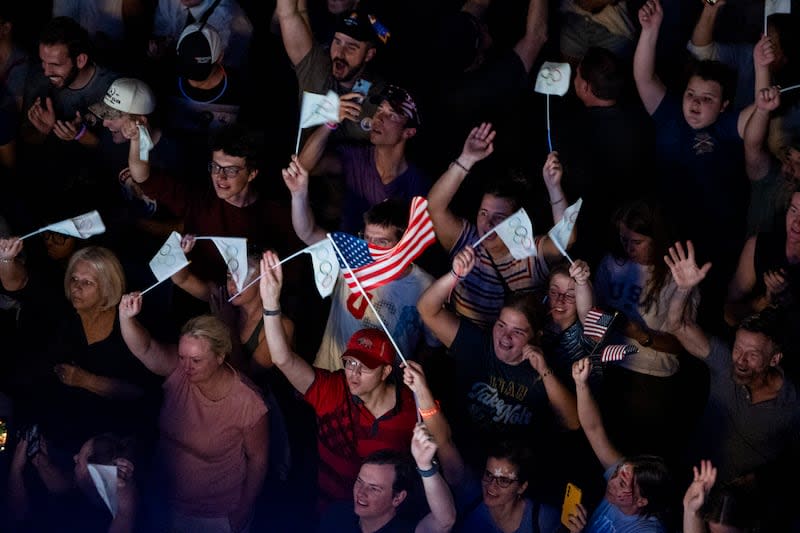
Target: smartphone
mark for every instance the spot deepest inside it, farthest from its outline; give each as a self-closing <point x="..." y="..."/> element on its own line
<point x="572" y="497"/>
<point x="3" y="434"/>
<point x="362" y="86"/>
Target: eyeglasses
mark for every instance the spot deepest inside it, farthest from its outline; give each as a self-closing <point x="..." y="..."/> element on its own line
<point x="57" y="238"/>
<point x="230" y="172"/>
<point x="354" y="366"/>
<point x="377" y="241"/>
<point x="82" y="283"/>
<point x="502" y="482"/>
<point x="555" y="296"/>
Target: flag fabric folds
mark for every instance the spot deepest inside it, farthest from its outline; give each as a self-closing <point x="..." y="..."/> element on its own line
<point x="561" y="232"/>
<point x="597" y="323"/>
<point x="374" y="266"/>
<point x="326" y="267"/>
<point x="169" y="259"/>
<point x="772" y="7"/>
<point x="318" y="109"/>
<point x="617" y="352"/>
<point x="234" y="253"/>
<point x="104" y="478"/>
<point x="81" y="226"/>
<point x="517" y="233"/>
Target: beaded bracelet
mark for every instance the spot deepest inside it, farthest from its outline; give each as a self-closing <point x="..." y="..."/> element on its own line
<point x="80" y="133"/>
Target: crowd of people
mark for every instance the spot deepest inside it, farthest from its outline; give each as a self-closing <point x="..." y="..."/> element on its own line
<point x="647" y="358"/>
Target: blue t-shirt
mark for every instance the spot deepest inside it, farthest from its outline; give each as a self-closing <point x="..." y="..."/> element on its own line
<point x="607" y="518"/>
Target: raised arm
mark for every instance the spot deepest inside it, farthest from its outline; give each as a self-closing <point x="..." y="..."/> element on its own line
<point x="763" y="57"/>
<point x="757" y="157"/>
<point x="584" y="295"/>
<point x="295" y="30"/>
<point x="13" y="274"/>
<point x="561" y="398"/>
<point x="651" y="88"/>
<point x="687" y="276"/>
<point x="295" y="176"/>
<point x="158" y="358"/>
<point x="442" y="322"/>
<point x="702" y="45"/>
<point x="531" y="43"/>
<point x="478" y="146"/>
<point x="442" y="516"/>
<point x="140" y="170"/>
<point x="450" y="459"/>
<point x="299" y="373"/>
<point x="741" y="301"/>
<point x="189" y="282"/>
<point x="552" y="172"/>
<point x="589" y="415"/>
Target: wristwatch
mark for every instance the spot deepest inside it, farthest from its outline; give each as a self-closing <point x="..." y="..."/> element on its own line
<point x="432" y="471"/>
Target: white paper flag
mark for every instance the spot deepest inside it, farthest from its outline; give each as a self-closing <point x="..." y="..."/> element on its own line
<point x="318" y="109"/>
<point x="326" y="267"/>
<point x="234" y="253"/>
<point x="169" y="259"/>
<point x="561" y="232"/>
<point x="553" y="78"/>
<point x="145" y="143"/>
<point x="777" y="6"/>
<point x="105" y="479"/>
<point x="82" y="226"/>
<point x="517" y="233"/>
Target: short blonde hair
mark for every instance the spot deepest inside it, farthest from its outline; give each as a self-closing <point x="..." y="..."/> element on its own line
<point x="110" y="276"/>
<point x="213" y="330"/>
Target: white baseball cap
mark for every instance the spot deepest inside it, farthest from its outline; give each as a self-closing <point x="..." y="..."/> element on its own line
<point x="125" y="95"/>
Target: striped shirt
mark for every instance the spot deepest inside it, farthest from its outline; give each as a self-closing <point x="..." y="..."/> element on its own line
<point x="480" y="296"/>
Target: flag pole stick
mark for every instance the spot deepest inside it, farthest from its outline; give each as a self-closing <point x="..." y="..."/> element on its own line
<point x="31" y="234"/>
<point x="476" y="243"/>
<point x="157" y="283"/>
<point x="793" y="87"/>
<point x="297" y="144"/>
<point x="562" y="250"/>
<point x="549" y="140"/>
<point x="282" y="261"/>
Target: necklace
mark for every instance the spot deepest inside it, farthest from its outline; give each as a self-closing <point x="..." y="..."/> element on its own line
<point x="217" y="97"/>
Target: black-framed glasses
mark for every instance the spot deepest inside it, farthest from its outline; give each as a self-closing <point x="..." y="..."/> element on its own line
<point x="555" y="296"/>
<point x="502" y="481"/>
<point x="230" y="171"/>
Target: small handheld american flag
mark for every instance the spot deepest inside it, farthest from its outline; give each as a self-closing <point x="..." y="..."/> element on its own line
<point x="617" y="352"/>
<point x="597" y="323"/>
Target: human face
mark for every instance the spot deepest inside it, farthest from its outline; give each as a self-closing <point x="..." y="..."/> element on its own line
<point x="501" y="471"/>
<point x="561" y="299"/>
<point x="231" y="188"/>
<point x="638" y="247"/>
<point x="793" y="225"/>
<point x="114" y="125"/>
<point x="360" y="379"/>
<point x="791" y="164"/>
<point x="57" y="65"/>
<point x="84" y="288"/>
<point x="511" y="332"/>
<point x="58" y="246"/>
<point x="348" y="57"/>
<point x="249" y="293"/>
<point x="382" y="236"/>
<point x="372" y="492"/>
<point x="622" y="490"/>
<point x="197" y="360"/>
<point x="493" y="210"/>
<point x="702" y="102"/>
<point x="753" y="354"/>
<point x="388" y="126"/>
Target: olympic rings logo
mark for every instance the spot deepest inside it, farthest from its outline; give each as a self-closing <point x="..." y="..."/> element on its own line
<point x="551" y="76"/>
<point x="324" y="272"/>
<point x="520" y="236"/>
<point x="165" y="256"/>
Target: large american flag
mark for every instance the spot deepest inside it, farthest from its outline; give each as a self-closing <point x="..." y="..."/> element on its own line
<point x="617" y="352"/>
<point x="597" y="323"/>
<point x="374" y="266"/>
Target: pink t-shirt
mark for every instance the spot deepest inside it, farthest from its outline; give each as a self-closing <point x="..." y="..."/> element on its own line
<point x="202" y="443"/>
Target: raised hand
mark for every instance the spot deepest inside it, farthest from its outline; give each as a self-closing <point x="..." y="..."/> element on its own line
<point x="535" y="356"/>
<point x="295" y="176"/>
<point x="464" y="262"/>
<point x="697" y="492"/>
<point x="130" y="305"/>
<point x="10" y="248"/>
<point x="651" y="15"/>
<point x="42" y="115"/>
<point x="271" y="280"/>
<point x="552" y="171"/>
<point x="423" y="448"/>
<point x="763" y="52"/>
<point x="580" y="272"/>
<point x="414" y="377"/>
<point x="776" y="283"/>
<point x="187" y="243"/>
<point x="768" y="99"/>
<point x="479" y="145"/>
<point x="577" y="521"/>
<point x="683" y="266"/>
<point x="350" y="106"/>
<point x="581" y="369"/>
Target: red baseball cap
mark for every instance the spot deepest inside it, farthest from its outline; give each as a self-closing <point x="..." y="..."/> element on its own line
<point x="371" y="347"/>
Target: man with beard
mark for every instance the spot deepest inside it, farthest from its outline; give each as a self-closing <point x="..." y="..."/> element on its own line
<point x="751" y="422"/>
<point x="343" y="68"/>
<point x="54" y="138"/>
